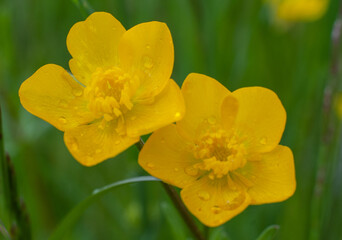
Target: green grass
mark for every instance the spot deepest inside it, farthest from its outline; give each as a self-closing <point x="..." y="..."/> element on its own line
<point x="234" y="41"/>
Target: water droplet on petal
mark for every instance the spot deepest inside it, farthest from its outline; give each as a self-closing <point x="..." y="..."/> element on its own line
<point x="263" y="141"/>
<point x="191" y="171"/>
<point x="150" y="165"/>
<point x="212" y="120"/>
<point x="77" y="92"/>
<point x="204" y="195"/>
<point x="216" y="209"/>
<point x="73" y="144"/>
<point x="117" y="142"/>
<point x="62" y="120"/>
<point x="176" y="169"/>
<point x="148" y="63"/>
<point x="177" y="115"/>
<point x="63" y="104"/>
<point x="98" y="150"/>
<point x="148" y="46"/>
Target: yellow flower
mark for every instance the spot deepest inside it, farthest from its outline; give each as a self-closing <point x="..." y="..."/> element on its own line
<point x="299" y="10"/>
<point x="224" y="153"/>
<point x="120" y="88"/>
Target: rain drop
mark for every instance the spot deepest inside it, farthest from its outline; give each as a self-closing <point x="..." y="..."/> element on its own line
<point x="150" y="165"/>
<point x="263" y="141"/>
<point x="62" y="120"/>
<point x="216" y="209"/>
<point x="212" y="120"/>
<point x="77" y="92"/>
<point x="191" y="171"/>
<point x="63" y="103"/>
<point x="204" y="195"/>
<point x="148" y="63"/>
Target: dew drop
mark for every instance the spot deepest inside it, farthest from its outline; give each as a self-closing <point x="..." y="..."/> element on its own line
<point x="117" y="142"/>
<point x="63" y="103"/>
<point x="177" y="115"/>
<point x="148" y="63"/>
<point x="150" y="165"/>
<point x="77" y="92"/>
<point x="73" y="144"/>
<point x="191" y="171"/>
<point x="216" y="209"/>
<point x="212" y="120"/>
<point x="263" y="141"/>
<point x="176" y="169"/>
<point x="148" y="46"/>
<point x="62" y="120"/>
<point x="204" y="195"/>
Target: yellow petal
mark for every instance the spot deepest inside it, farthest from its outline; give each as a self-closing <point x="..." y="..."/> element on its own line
<point x="229" y="110"/>
<point x="214" y="202"/>
<point x="261" y="117"/>
<point x="203" y="97"/>
<point x="272" y="179"/>
<point x="146" y="51"/>
<point x="166" y="156"/>
<point x="54" y="96"/>
<point x="94" y="143"/>
<point x="166" y="108"/>
<point x="94" y="43"/>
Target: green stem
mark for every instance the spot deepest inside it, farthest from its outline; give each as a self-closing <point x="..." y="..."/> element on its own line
<point x="170" y="190"/>
<point x="4" y="231"/>
<point x="4" y="177"/>
<point x="76" y="212"/>
<point x="328" y="134"/>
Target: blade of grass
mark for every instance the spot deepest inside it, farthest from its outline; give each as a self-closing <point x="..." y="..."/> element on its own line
<point x="170" y="190"/>
<point x="69" y="221"/>
<point x="269" y="233"/>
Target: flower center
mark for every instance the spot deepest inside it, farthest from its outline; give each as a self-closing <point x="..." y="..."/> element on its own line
<point x="220" y="153"/>
<point x="110" y="94"/>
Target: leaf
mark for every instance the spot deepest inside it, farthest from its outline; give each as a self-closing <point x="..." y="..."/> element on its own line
<point x="269" y="233"/>
<point x="69" y="221"/>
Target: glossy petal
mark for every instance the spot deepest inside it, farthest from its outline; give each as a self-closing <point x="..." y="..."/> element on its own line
<point x="272" y="179"/>
<point x="203" y="97"/>
<point x="94" y="43"/>
<point x="214" y="202"/>
<point x="146" y="51"/>
<point x="166" y="108"/>
<point x="54" y="96"/>
<point x="261" y="117"/>
<point x="92" y="144"/>
<point x="166" y="156"/>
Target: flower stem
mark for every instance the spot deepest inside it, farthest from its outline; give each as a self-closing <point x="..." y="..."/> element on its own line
<point x="170" y="190"/>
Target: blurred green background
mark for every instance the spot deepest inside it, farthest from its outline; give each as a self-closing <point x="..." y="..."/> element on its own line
<point x="235" y="41"/>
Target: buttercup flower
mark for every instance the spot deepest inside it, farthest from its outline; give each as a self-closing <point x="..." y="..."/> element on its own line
<point x="298" y="10"/>
<point x="224" y="153"/>
<point x="120" y="88"/>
